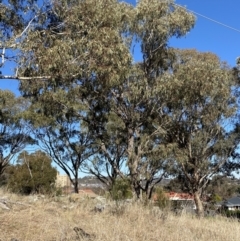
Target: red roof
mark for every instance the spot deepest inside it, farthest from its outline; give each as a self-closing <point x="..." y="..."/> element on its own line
<point x="176" y="196"/>
<point x="179" y="196"/>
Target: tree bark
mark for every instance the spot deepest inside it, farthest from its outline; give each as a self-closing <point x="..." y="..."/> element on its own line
<point x="75" y="183"/>
<point x="133" y="166"/>
<point x="135" y="185"/>
<point x="199" y="204"/>
<point x="76" y="187"/>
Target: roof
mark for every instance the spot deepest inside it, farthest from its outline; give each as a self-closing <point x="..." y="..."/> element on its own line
<point x="234" y="201"/>
<point x="179" y="196"/>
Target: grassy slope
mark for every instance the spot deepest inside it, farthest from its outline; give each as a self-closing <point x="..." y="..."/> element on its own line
<point x="53" y="219"/>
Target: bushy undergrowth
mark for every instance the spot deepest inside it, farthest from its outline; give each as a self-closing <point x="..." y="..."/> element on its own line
<point x="32" y="174"/>
<point x="162" y="201"/>
<point x="121" y="190"/>
<point x="231" y="213"/>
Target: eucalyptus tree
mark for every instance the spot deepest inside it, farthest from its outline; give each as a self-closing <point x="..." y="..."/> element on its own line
<point x="67" y="63"/>
<point x="109" y="162"/>
<point x="139" y="101"/>
<point x="136" y="103"/>
<point x="137" y="108"/>
<point x="14" y="134"/>
<point x="68" y="144"/>
<point x="61" y="133"/>
<point x="201" y="109"/>
<point x="80" y="59"/>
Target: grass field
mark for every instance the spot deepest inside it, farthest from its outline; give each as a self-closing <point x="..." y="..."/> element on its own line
<point x="54" y="219"/>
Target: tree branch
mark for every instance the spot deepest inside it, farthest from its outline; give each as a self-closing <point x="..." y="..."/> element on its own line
<point x="24" y="78"/>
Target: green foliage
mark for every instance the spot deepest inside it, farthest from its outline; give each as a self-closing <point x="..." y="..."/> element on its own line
<point x="231" y="213"/>
<point x="32" y="174"/>
<point x="215" y="198"/>
<point x="14" y="19"/>
<point x="222" y="186"/>
<point x="14" y="134"/>
<point x="5" y="176"/>
<point x="200" y="102"/>
<point x="121" y="190"/>
<point x="176" y="184"/>
<point x="57" y="191"/>
<point x="161" y="199"/>
<point x="83" y="54"/>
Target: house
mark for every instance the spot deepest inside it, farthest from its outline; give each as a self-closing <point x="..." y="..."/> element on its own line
<point x="62" y="181"/>
<point x="179" y="196"/>
<point x="232" y="203"/>
<point x="181" y="200"/>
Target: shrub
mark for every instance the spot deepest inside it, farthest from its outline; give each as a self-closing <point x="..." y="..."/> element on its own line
<point x="121" y="190"/>
<point x="32" y="174"/>
<point x="232" y="213"/>
<point x="161" y="199"/>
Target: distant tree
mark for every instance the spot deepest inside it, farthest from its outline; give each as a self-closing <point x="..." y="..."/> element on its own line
<point x="69" y="147"/>
<point x="222" y="187"/>
<point x="177" y="184"/>
<point x="65" y="138"/>
<point x="32" y="174"/>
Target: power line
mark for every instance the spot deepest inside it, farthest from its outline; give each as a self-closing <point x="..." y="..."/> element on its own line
<point x="210" y="19"/>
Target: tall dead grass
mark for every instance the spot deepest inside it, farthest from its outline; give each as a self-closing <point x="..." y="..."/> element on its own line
<point x="53" y="219"/>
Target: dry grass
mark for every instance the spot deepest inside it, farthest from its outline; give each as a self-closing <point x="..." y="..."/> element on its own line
<point x="52" y="219"/>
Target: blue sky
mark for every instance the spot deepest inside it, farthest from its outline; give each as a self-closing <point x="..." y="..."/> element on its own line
<point x="210" y="36"/>
<point x="205" y="36"/>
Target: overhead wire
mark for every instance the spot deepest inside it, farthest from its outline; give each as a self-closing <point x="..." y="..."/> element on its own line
<point x="210" y="19"/>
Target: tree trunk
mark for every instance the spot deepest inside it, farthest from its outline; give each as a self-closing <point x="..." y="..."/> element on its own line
<point x="199" y="205"/>
<point x="150" y="192"/>
<point x="75" y="183"/>
<point x="133" y="166"/>
<point x="76" y="186"/>
<point x="136" y="189"/>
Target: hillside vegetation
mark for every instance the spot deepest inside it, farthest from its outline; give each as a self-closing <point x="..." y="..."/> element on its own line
<point x="35" y="218"/>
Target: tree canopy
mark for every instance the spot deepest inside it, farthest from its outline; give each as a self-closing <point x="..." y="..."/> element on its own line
<point x="201" y="107"/>
<point x="14" y="133"/>
<point x="84" y="57"/>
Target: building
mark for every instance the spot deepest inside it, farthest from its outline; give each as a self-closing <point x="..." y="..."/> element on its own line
<point x="63" y="181"/>
<point x="232" y="203"/>
<point x="181" y="200"/>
